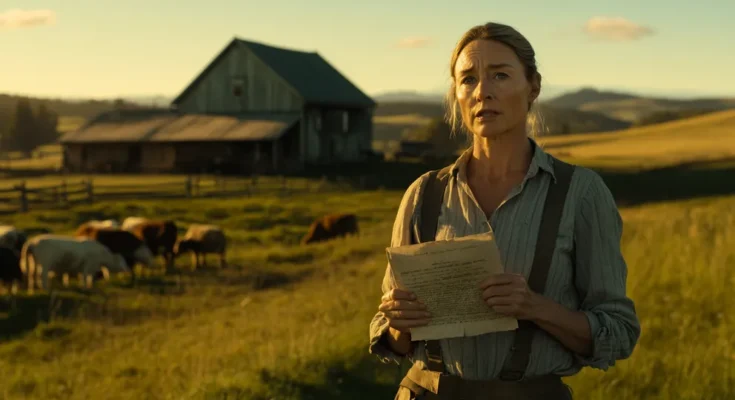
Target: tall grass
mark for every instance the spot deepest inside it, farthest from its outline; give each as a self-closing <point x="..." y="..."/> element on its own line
<point x="290" y="322"/>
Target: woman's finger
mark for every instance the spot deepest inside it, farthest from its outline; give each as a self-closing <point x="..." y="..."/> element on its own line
<point x="398" y="294"/>
<point x="392" y="305"/>
<point x="501" y="290"/>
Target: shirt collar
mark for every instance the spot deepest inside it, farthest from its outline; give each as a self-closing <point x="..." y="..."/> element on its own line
<point x="539" y="161"/>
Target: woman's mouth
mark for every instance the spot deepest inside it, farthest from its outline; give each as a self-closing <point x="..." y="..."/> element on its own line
<point x="486" y="115"/>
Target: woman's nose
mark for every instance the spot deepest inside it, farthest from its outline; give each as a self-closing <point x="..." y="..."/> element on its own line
<point x="484" y="90"/>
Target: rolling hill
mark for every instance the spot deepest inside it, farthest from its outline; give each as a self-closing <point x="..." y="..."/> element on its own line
<point x="700" y="139"/>
<point x="633" y="108"/>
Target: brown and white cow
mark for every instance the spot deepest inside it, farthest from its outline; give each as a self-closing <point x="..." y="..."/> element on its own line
<point x="201" y="240"/>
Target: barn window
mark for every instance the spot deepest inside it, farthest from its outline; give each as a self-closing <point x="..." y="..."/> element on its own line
<point x="345" y="122"/>
<point x="238" y="86"/>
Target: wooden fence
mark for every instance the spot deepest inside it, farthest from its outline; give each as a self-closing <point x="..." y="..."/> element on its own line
<point x="22" y="197"/>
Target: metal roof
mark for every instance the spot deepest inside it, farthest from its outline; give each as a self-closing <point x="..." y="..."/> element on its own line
<point x="316" y="81"/>
<point x="173" y="127"/>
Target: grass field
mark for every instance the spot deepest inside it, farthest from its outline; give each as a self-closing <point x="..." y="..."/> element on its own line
<point x="709" y="137"/>
<point x="291" y="322"/>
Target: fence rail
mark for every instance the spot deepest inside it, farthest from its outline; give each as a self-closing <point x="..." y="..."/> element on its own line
<point x="22" y="198"/>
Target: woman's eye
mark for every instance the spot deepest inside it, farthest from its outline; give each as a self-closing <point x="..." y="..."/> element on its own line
<point x="501" y="76"/>
<point x="468" y="80"/>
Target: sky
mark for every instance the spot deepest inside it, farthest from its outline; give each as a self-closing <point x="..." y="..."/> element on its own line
<point x="106" y="49"/>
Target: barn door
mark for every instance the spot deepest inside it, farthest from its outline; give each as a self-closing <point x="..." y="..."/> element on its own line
<point x="134" y="158"/>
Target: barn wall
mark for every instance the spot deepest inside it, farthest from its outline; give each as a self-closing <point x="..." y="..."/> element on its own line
<point x="158" y="157"/>
<point x="262" y="89"/>
<point x="73" y="157"/>
<point x="334" y="143"/>
<point x="105" y="157"/>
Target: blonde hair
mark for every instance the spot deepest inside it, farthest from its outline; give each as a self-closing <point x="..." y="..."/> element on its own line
<point x="510" y="37"/>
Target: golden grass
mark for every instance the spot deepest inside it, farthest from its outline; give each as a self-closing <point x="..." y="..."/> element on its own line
<point x="291" y="323"/>
<point x="704" y="138"/>
<point x="405" y="119"/>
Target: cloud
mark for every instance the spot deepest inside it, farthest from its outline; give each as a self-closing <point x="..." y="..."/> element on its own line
<point x="17" y="18"/>
<point x="616" y="29"/>
<point x="414" y="42"/>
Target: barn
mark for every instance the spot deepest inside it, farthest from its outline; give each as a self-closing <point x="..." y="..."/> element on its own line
<point x="254" y="108"/>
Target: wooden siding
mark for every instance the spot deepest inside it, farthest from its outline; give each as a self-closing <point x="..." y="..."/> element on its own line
<point x="262" y="89"/>
<point x="157" y="157"/>
<point x="326" y="140"/>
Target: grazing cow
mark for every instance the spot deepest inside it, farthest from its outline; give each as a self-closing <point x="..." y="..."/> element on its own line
<point x="159" y="236"/>
<point x="9" y="267"/>
<point x="203" y="240"/>
<point x="108" y="223"/>
<point x="12" y="238"/>
<point x="119" y="242"/>
<point x="67" y="255"/>
<point x="130" y="223"/>
<point x="331" y="226"/>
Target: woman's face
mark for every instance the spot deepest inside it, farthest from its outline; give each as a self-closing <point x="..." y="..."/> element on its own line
<point x="492" y="90"/>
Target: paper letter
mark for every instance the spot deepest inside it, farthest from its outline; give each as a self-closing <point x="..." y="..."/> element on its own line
<point x="445" y="275"/>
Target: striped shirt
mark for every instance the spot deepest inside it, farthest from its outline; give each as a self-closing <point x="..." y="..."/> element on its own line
<point x="587" y="273"/>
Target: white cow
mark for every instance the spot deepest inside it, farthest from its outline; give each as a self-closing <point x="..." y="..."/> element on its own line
<point x="202" y="240"/>
<point x="131" y="222"/>
<point x="108" y="223"/>
<point x="67" y="255"/>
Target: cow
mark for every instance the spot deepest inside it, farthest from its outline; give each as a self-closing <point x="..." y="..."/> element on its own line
<point x="67" y="255"/>
<point x="12" y="238"/>
<point x="331" y="226"/>
<point x="108" y="223"/>
<point x="203" y="240"/>
<point x="10" y="272"/>
<point x="159" y="236"/>
<point x="130" y="223"/>
<point x="119" y="242"/>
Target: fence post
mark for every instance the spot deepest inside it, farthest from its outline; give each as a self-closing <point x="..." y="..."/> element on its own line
<point x="188" y="186"/>
<point x="23" y="197"/>
<point x="64" y="194"/>
<point x="90" y="191"/>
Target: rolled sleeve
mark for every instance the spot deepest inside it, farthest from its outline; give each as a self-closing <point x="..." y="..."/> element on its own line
<point x="601" y="278"/>
<point x="401" y="236"/>
<point x="378" y="341"/>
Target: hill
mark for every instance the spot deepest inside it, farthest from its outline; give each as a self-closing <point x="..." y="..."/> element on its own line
<point x="634" y="108"/>
<point x="703" y="138"/>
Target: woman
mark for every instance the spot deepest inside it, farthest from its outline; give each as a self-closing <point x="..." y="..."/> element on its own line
<point x="583" y="316"/>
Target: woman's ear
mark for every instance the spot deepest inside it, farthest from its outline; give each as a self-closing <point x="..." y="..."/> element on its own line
<point x="535" y="87"/>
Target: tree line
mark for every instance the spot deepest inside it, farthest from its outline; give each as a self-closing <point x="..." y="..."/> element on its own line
<point x="24" y="128"/>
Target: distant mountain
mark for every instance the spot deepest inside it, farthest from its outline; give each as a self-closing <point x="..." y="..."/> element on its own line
<point x="635" y="108"/>
<point x="408" y="96"/>
<point x="150" y="101"/>
<point x="584" y="96"/>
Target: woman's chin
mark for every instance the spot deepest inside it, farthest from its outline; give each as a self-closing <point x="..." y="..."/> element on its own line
<point x="489" y="131"/>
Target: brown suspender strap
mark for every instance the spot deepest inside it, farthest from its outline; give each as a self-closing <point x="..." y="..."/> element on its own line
<point x="515" y="366"/>
<point x="431" y="205"/>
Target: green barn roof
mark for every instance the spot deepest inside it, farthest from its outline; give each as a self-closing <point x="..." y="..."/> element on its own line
<point x="316" y="81"/>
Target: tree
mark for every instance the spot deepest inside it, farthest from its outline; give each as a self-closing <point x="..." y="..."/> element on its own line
<point x="46" y="124"/>
<point x="438" y="133"/>
<point x="22" y="136"/>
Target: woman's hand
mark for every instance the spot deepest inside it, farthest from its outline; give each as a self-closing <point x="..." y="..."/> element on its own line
<point x="509" y="295"/>
<point x="403" y="311"/>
